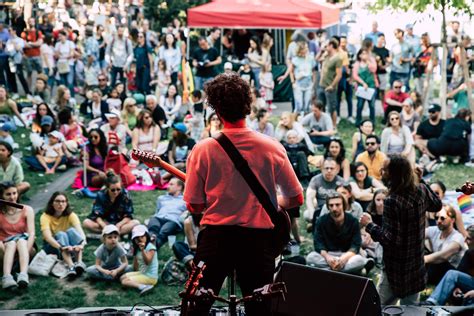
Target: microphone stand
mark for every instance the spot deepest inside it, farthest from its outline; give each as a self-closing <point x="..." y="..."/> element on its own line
<point x="7" y="203"/>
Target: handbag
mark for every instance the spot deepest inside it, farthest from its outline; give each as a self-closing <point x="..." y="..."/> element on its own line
<point x="63" y="66"/>
<point x="279" y="218"/>
<point x="119" y="164"/>
<point x="42" y="264"/>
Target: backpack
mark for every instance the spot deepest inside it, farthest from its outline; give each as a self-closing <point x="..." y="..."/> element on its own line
<point x="126" y="45"/>
<point x="174" y="272"/>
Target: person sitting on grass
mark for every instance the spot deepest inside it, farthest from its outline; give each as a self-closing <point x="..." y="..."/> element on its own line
<point x="11" y="169"/>
<point x="17" y="236"/>
<point x="113" y="205"/>
<point x="167" y="218"/>
<point x="110" y="258"/>
<point x="63" y="234"/>
<point x="179" y="146"/>
<point x="145" y="262"/>
<point x="50" y="157"/>
<point x="185" y="251"/>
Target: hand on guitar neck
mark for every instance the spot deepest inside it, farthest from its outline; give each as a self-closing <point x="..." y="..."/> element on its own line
<point x="153" y="160"/>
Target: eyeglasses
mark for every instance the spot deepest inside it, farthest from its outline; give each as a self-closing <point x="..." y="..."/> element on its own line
<point x="115" y="190"/>
<point x="60" y="201"/>
<point x="370" y="143"/>
<point x="394" y="118"/>
<point x="442" y="218"/>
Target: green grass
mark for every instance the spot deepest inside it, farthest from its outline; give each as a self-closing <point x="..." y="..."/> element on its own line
<point x="49" y="292"/>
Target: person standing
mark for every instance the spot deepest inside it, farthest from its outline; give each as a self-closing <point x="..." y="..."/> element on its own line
<point x="237" y="227"/>
<point x="205" y="58"/>
<point x="33" y="40"/>
<point x="330" y="76"/>
<point x="402" y="56"/>
<point x="402" y="232"/>
<point x="118" y="55"/>
<point x="382" y="57"/>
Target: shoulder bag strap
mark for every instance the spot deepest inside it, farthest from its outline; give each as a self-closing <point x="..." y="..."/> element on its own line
<point x="243" y="167"/>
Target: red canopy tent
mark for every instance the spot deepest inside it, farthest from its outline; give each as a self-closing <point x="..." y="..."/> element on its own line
<point x="282" y="14"/>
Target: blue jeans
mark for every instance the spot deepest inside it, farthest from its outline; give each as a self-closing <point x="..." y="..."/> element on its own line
<point x="360" y="107"/>
<point x="34" y="163"/>
<point x="302" y="99"/>
<point x="451" y="280"/>
<point x="200" y="81"/>
<point x="162" y="228"/>
<point x="403" y="77"/>
<point x="182" y="252"/>
<point x="256" y="72"/>
<point x="70" y="237"/>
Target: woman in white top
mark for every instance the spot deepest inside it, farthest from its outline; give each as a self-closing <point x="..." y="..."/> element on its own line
<point x="171" y="103"/>
<point x="171" y="55"/>
<point x="64" y="53"/>
<point x="288" y="122"/>
<point x="47" y="57"/>
<point x="255" y="58"/>
<point x="397" y="138"/>
<point x="146" y="135"/>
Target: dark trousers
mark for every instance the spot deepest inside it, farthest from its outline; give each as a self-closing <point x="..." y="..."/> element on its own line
<point x="320" y="140"/>
<point x="21" y="77"/>
<point x="162" y="228"/>
<point x="142" y="80"/>
<point x="114" y="71"/>
<point x="436" y="271"/>
<point x="246" y="250"/>
<point x="346" y="87"/>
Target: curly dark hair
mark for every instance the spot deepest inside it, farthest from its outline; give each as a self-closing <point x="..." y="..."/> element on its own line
<point x="50" y="206"/>
<point x="229" y="95"/>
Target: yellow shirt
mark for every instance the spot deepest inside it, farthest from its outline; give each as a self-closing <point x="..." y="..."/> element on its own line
<point x="374" y="165"/>
<point x="58" y="224"/>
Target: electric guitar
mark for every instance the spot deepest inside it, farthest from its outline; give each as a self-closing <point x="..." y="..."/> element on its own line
<point x="281" y="220"/>
<point x="191" y="287"/>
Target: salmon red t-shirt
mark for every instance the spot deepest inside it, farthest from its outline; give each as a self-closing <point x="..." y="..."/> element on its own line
<point x="212" y="179"/>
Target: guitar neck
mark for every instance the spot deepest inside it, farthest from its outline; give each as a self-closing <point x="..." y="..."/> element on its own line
<point x="173" y="170"/>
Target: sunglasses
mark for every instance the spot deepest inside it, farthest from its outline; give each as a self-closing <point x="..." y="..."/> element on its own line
<point x="115" y="190"/>
<point x="442" y="218"/>
<point x="370" y="143"/>
<point x="394" y="119"/>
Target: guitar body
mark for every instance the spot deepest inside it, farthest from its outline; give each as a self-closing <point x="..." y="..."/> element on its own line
<point x="281" y="232"/>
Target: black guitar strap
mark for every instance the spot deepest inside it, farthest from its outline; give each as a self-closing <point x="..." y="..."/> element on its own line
<point x="243" y="167"/>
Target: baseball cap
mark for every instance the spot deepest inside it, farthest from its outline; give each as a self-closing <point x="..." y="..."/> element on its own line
<point x="47" y="120"/>
<point x="434" y="108"/>
<point x="7" y="127"/>
<point x="228" y="65"/>
<point x="109" y="229"/>
<point x="138" y="231"/>
<point x="114" y="113"/>
<point x="57" y="134"/>
<point x="180" y="127"/>
<point x="409" y="26"/>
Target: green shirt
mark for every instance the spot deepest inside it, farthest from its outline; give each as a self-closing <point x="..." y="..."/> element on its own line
<point x="330" y="65"/>
<point x="14" y="172"/>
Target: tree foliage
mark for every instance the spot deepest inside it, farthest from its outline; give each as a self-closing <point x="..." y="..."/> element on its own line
<point x="458" y="6"/>
<point x="162" y="12"/>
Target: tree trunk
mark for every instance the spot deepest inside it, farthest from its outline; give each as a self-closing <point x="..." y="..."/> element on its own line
<point x="444" y="75"/>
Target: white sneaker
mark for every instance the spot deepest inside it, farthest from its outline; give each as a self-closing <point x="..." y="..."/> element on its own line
<point x="424" y="160"/>
<point x="146" y="289"/>
<point x="442" y="158"/>
<point x="456" y="160"/>
<point x="22" y="280"/>
<point x="351" y="120"/>
<point x="469" y="164"/>
<point x="273" y="107"/>
<point x="8" y="281"/>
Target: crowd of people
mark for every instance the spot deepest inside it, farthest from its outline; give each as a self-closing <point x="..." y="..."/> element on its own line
<point x="91" y="91"/>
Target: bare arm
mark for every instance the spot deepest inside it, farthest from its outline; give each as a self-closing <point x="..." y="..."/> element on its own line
<point x="30" y="221"/>
<point x="311" y="199"/>
<point x="156" y="137"/>
<point x="443" y="255"/>
<point x="148" y="255"/>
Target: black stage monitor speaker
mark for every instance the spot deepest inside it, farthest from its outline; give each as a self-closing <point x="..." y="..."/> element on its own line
<point x="315" y="292"/>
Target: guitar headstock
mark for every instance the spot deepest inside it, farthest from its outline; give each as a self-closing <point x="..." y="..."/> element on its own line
<point x="150" y="159"/>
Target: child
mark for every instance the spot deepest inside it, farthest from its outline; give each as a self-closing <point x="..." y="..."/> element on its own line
<point x="50" y="156"/>
<point x="114" y="101"/>
<point x="267" y="85"/>
<point x="145" y="262"/>
<point x="163" y="78"/>
<point x="110" y="258"/>
<point x="5" y="134"/>
<point x="197" y="111"/>
<point x="247" y="74"/>
<point x="132" y="87"/>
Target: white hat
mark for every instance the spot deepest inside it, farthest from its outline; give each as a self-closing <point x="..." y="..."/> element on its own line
<point x="113" y="113"/>
<point x="228" y="65"/>
<point x="109" y="229"/>
<point x="57" y="134"/>
<point x="138" y="231"/>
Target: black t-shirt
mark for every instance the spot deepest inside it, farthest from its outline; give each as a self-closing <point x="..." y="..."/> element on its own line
<point x="456" y="129"/>
<point x="181" y="152"/>
<point x="199" y="107"/>
<point x="382" y="53"/>
<point x="467" y="263"/>
<point x="158" y="115"/>
<point x="248" y="76"/>
<point x="427" y="131"/>
<point x="202" y="56"/>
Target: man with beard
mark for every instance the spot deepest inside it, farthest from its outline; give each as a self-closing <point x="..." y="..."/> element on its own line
<point x="337" y="240"/>
<point x="430" y="128"/>
<point x="372" y="157"/>
<point x="403" y="231"/>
